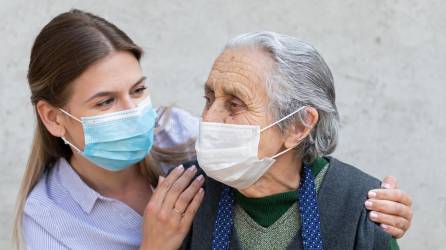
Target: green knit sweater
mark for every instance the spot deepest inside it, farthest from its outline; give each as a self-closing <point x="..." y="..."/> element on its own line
<point x="272" y="222"/>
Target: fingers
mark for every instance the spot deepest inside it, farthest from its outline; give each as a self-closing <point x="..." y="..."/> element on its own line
<point x="390" y="220"/>
<point x="191" y="210"/>
<point x="163" y="187"/>
<point x="177" y="188"/>
<point x="394" y="231"/>
<point x="395" y="195"/>
<point x="188" y="194"/>
<point x="160" y="179"/>
<point x="390" y="208"/>
<point x="389" y="182"/>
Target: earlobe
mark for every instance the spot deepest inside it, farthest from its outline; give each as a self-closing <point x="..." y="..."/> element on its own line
<point x="50" y="117"/>
<point x="293" y="141"/>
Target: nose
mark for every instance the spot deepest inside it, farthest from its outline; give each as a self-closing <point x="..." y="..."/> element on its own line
<point x="129" y="103"/>
<point x="215" y="113"/>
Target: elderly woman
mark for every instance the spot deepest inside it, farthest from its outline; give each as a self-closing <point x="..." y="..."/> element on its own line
<point x="269" y="123"/>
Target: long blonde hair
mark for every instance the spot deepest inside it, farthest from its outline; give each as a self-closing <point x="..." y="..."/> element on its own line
<point x="63" y="50"/>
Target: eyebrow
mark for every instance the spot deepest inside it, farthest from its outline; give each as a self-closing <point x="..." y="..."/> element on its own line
<point x="107" y="93"/>
<point x="240" y="92"/>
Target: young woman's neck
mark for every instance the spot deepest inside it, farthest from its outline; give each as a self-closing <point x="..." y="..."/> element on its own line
<point x="107" y="183"/>
<point x="282" y="177"/>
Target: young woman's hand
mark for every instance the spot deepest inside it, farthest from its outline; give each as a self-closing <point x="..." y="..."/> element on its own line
<point x="170" y="212"/>
<point x="390" y="207"/>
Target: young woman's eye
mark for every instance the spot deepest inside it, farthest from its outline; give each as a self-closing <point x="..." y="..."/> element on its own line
<point x="106" y="102"/>
<point x="140" y="90"/>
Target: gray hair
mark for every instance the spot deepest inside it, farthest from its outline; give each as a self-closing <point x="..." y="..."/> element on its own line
<point x="299" y="77"/>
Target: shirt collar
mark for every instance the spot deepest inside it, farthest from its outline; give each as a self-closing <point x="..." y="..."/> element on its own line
<point x="84" y="195"/>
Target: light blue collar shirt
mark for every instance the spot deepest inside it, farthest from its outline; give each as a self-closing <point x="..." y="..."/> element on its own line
<point x="62" y="212"/>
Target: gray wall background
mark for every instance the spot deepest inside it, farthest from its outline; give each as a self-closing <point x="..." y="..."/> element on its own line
<point x="388" y="60"/>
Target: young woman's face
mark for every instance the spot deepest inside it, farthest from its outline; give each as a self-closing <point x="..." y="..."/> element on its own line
<point x="114" y="83"/>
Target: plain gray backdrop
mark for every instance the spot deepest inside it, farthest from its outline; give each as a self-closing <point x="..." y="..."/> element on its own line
<point x="388" y="59"/>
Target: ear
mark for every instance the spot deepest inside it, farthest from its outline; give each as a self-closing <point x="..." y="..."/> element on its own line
<point x="298" y="132"/>
<point x="51" y="117"/>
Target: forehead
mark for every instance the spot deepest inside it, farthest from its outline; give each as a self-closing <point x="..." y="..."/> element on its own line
<point x="114" y="72"/>
<point x="241" y="66"/>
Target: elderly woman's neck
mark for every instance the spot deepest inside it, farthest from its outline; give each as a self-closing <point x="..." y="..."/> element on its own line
<point x="282" y="177"/>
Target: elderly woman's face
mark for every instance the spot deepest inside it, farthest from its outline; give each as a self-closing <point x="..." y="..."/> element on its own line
<point x="235" y="93"/>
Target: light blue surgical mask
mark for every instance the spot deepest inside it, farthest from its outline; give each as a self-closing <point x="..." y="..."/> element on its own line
<point x="117" y="140"/>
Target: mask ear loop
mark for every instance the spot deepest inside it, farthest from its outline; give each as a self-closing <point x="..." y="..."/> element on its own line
<point x="273" y="124"/>
<point x="70" y="115"/>
<point x="63" y="138"/>
<point x="283" y="152"/>
<point x="284" y="118"/>
<point x="71" y="144"/>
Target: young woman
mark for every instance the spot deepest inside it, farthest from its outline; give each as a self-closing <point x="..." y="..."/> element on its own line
<point x="90" y="180"/>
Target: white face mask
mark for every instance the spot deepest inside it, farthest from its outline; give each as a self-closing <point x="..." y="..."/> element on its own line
<point x="228" y="152"/>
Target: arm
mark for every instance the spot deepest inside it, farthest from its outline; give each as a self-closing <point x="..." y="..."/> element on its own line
<point x="391" y="208"/>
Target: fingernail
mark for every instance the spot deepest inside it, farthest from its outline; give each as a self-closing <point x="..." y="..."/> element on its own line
<point x="385" y="227"/>
<point x="372" y="194"/>
<point x="201" y="191"/>
<point x="200" y="177"/>
<point x="193" y="168"/>
<point x="368" y="204"/>
<point x="373" y="215"/>
<point x="386" y="185"/>
<point x="180" y="168"/>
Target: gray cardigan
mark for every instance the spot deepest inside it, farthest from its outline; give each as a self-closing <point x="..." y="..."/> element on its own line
<point x="344" y="221"/>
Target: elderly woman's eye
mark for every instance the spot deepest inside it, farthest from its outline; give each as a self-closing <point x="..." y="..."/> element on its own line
<point x="208" y="100"/>
<point x="236" y="104"/>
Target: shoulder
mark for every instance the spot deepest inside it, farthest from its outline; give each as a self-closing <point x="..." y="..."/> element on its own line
<point x="38" y="225"/>
<point x="39" y="198"/>
<point x="350" y="179"/>
<point x="343" y="214"/>
<point x="347" y="184"/>
<point x="37" y="236"/>
<point x="50" y="203"/>
<point x="50" y="190"/>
